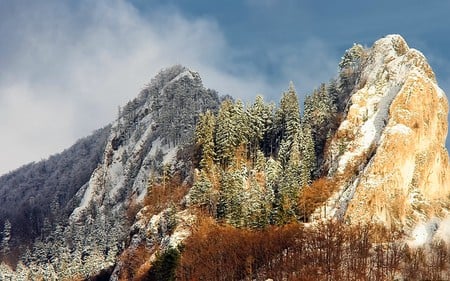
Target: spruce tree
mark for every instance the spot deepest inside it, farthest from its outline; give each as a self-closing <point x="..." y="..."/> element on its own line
<point x="256" y="204"/>
<point x="203" y="195"/>
<point x="204" y="136"/>
<point x="260" y="120"/>
<point x="231" y="197"/>
<point x="308" y="165"/>
<point x="288" y="117"/>
<point x="225" y="139"/>
<point x="231" y="131"/>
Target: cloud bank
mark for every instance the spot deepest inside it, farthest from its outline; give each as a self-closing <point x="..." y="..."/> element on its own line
<point x="65" y="67"/>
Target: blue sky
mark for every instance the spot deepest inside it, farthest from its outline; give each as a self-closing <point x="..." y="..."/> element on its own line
<point x="65" y="66"/>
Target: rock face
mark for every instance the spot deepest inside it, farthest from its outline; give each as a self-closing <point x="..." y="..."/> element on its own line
<point x="142" y="144"/>
<point x="389" y="152"/>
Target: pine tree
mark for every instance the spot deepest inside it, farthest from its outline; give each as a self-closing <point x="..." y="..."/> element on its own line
<point x="241" y="132"/>
<point x="352" y="57"/>
<point x="290" y="184"/>
<point x="257" y="203"/>
<point x="203" y="195"/>
<point x="288" y="117"/>
<point x="226" y="140"/>
<point x="273" y="172"/>
<point x="335" y="95"/>
<point x="231" y="197"/>
<point x="260" y="161"/>
<point x="308" y="165"/>
<point x="260" y="121"/>
<point x="204" y="136"/>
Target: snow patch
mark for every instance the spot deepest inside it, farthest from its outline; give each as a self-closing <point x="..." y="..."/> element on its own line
<point x="168" y="152"/>
<point x="170" y="155"/>
<point x="155" y="146"/>
<point x="187" y="73"/>
<point x="88" y="195"/>
<point x="424" y="232"/>
<point x="443" y="231"/>
<point x="400" y="129"/>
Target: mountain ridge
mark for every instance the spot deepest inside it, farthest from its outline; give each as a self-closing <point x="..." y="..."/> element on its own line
<point x="176" y="159"/>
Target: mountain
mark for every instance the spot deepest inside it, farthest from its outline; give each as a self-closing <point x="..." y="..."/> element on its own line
<point x="187" y="185"/>
<point x="91" y="185"/>
<point x="390" y="148"/>
<point x="39" y="194"/>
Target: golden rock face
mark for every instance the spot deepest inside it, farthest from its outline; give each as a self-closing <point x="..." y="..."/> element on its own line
<point x="395" y="166"/>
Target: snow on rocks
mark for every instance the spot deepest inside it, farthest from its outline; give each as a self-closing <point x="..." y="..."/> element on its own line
<point x="400" y="129"/>
<point x="395" y="107"/>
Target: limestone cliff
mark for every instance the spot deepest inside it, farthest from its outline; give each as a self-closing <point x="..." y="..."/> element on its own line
<point x="389" y="152"/>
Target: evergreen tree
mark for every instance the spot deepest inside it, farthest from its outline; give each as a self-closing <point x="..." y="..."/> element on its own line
<point x="308" y="165"/>
<point x="204" y="136"/>
<point x="241" y="131"/>
<point x="334" y="95"/>
<point x="256" y="204"/>
<point x="349" y="69"/>
<point x="352" y="57"/>
<point x="231" y="197"/>
<point x="290" y="184"/>
<point x="260" y="161"/>
<point x="6" y="238"/>
<point x="288" y="117"/>
<point x="273" y="172"/>
<point x="260" y="121"/>
<point x="203" y="195"/>
<point x="319" y="120"/>
<point x="226" y="139"/>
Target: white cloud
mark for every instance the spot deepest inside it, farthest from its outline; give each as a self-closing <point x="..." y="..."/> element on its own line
<point x="28" y="123"/>
<point x="67" y="67"/>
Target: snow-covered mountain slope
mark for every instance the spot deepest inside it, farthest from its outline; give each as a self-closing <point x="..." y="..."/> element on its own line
<point x="143" y="143"/>
<point x="389" y="151"/>
<point x="39" y="194"/>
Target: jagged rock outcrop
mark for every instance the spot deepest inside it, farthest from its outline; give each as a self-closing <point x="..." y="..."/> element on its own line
<point x="389" y="151"/>
<point x="142" y="144"/>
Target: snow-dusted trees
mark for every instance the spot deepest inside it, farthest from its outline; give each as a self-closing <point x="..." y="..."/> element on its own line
<point x="227" y="134"/>
<point x="260" y="120"/>
<point x="6" y="237"/>
<point x="287" y="124"/>
<point x="320" y="120"/>
<point x="204" y="136"/>
<point x="350" y="69"/>
<point x="44" y="191"/>
<point x="308" y="156"/>
<point x="178" y="97"/>
<point x="257" y="160"/>
<point x="203" y="195"/>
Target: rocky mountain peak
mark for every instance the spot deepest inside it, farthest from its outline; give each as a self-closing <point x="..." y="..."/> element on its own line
<point x="390" y="148"/>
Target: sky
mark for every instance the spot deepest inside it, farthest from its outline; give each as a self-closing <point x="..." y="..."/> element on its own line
<point x="66" y="66"/>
